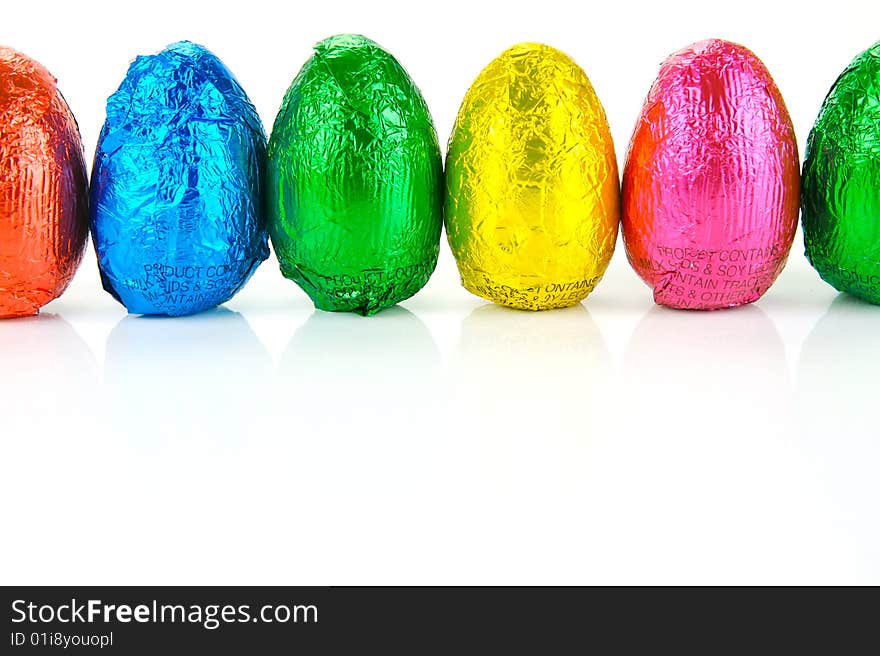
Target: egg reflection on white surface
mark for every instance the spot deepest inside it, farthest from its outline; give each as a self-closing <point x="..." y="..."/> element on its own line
<point x="837" y="372"/>
<point x="711" y="454"/>
<point x="55" y="377"/>
<point x="356" y="404"/>
<point x="708" y="374"/>
<point x="170" y="379"/>
<point x="837" y="420"/>
<point x="528" y="384"/>
<point x="378" y="370"/>
<point x="49" y="441"/>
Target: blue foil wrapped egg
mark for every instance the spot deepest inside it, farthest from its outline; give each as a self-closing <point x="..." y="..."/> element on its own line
<point x="177" y="210"/>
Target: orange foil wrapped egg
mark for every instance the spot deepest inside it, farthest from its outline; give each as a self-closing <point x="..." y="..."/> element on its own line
<point x="43" y="188"/>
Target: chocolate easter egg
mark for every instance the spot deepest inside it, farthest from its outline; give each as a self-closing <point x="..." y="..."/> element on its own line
<point x="841" y="182"/>
<point x="711" y="183"/>
<point x="532" y="190"/>
<point x="43" y="188"/>
<point x="355" y="180"/>
<point x="177" y="208"/>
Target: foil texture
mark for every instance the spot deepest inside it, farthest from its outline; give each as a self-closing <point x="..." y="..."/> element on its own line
<point x="532" y="191"/>
<point x="177" y="211"/>
<point x="841" y="182"/>
<point x="355" y="180"/>
<point x="711" y="182"/>
<point x="44" y="218"/>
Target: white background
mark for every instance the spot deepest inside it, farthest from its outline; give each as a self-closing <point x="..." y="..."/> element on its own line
<point x="447" y="440"/>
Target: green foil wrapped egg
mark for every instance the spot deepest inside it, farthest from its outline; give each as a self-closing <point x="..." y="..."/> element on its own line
<point x="355" y="180"/>
<point x="840" y="194"/>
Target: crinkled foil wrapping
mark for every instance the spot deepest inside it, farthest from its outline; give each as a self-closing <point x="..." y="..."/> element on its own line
<point x="177" y="206"/>
<point x="711" y="183"/>
<point x="841" y="182"/>
<point x="532" y="193"/>
<point x="355" y="180"/>
<point x="43" y="188"/>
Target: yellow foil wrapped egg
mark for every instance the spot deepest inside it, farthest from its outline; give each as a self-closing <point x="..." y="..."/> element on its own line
<point x="532" y="191"/>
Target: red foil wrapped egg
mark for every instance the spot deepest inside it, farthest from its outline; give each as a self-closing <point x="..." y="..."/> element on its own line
<point x="711" y="184"/>
<point x="43" y="188"/>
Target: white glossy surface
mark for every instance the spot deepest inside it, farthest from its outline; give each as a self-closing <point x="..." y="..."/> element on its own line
<point x="447" y="440"/>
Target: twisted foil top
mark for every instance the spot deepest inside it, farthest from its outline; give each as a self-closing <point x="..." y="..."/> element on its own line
<point x="531" y="182"/>
<point x="177" y="205"/>
<point x="710" y="188"/>
<point x="355" y="179"/>
<point x="43" y="187"/>
<point x="841" y="181"/>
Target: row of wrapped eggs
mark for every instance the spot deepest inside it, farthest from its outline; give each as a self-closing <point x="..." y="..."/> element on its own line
<point x="351" y="186"/>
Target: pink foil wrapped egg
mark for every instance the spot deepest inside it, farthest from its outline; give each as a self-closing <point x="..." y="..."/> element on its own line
<point x="711" y="185"/>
